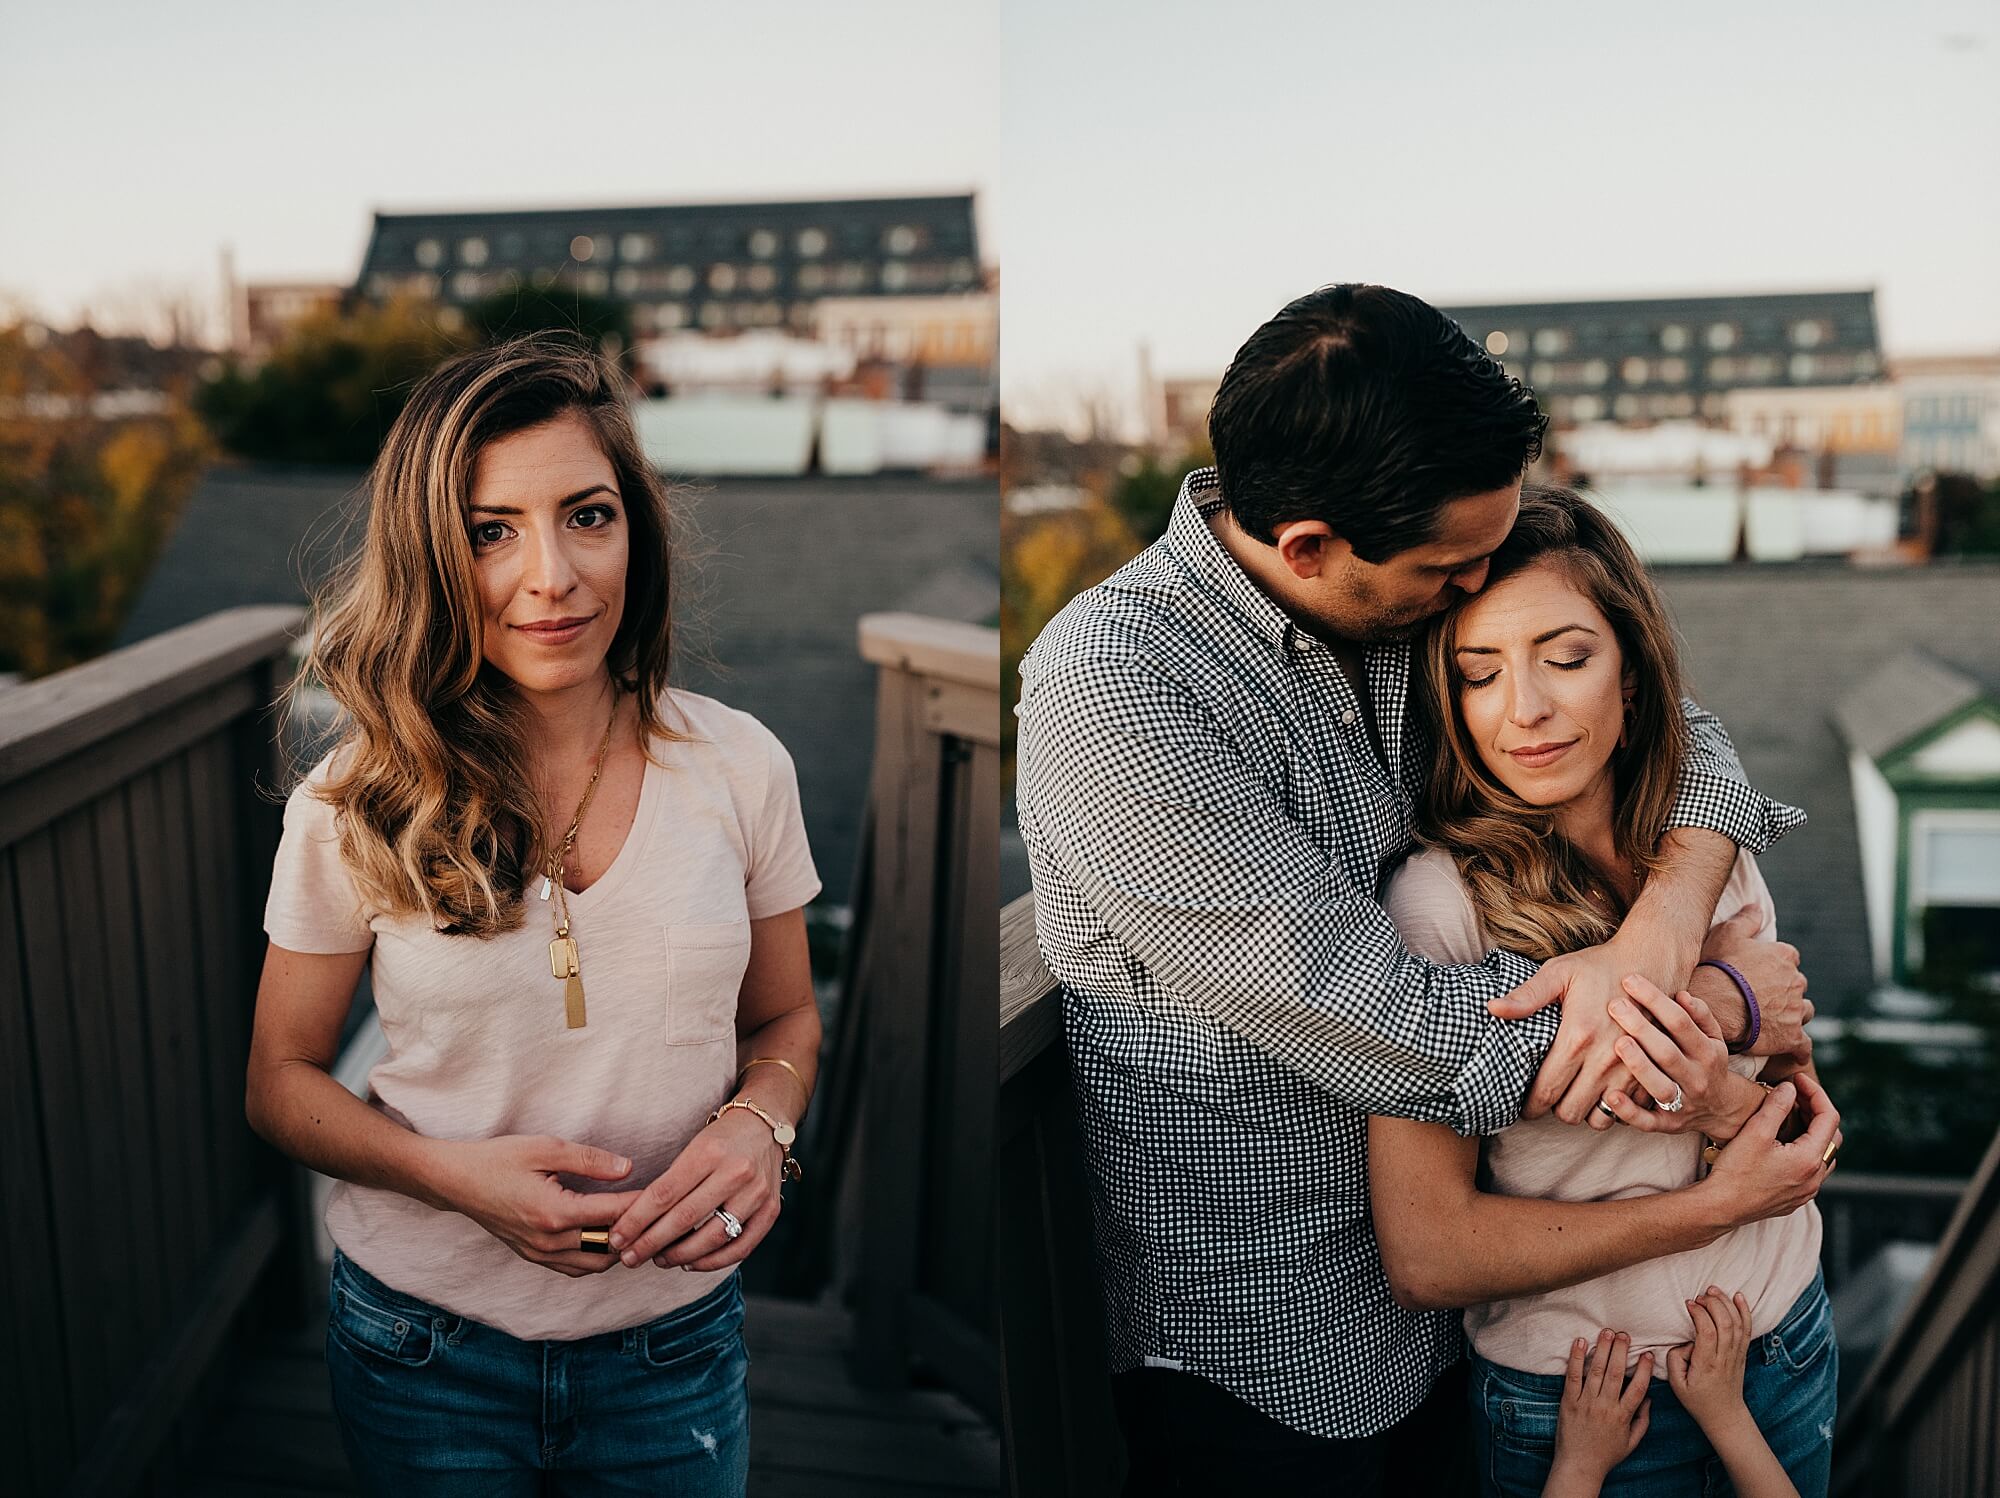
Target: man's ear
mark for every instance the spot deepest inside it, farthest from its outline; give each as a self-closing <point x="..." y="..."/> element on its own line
<point x="1309" y="547"/>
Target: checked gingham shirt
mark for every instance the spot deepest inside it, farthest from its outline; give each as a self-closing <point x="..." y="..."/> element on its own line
<point x="1207" y="822"/>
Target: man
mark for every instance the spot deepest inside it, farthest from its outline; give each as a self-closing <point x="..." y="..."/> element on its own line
<point x="1216" y="766"/>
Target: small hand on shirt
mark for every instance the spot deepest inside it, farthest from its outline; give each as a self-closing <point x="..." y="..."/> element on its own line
<point x="1603" y="1417"/>
<point x="735" y="1164"/>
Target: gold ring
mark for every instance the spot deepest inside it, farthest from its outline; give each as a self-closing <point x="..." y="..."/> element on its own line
<point x="1832" y="1149"/>
<point x="594" y="1240"/>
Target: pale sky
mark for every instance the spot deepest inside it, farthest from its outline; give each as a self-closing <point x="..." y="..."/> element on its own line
<point x="136" y="139"/>
<point x="1175" y="174"/>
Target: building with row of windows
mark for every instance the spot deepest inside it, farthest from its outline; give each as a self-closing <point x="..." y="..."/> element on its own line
<point x="1667" y="358"/>
<point x="713" y="267"/>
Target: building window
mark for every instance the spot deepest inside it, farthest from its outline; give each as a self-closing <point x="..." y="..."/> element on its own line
<point x="1809" y="333"/>
<point x="1633" y="371"/>
<point x="1803" y="367"/>
<point x="1673" y="338"/>
<point x="812" y="243"/>
<point x="901" y="239"/>
<point x="895" y="276"/>
<point x="1954" y="910"/>
<point x="636" y="247"/>
<point x="593" y="282"/>
<point x="760" y="278"/>
<point x="1496" y="343"/>
<point x="429" y="253"/>
<point x="1672" y="371"/>
<point x="626" y="281"/>
<point x="721" y="277"/>
<point x="582" y="248"/>
<point x="1721" y="336"/>
<point x="811" y="277"/>
<point x="680" y="280"/>
<point x="763" y="243"/>
<point x="1551" y="341"/>
<point x="472" y="251"/>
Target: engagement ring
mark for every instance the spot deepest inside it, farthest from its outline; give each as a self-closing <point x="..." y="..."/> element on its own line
<point x="1680" y="1098"/>
<point x="729" y="1224"/>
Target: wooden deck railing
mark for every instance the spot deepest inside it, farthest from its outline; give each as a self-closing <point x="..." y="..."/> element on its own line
<point x="920" y="1076"/>
<point x="140" y="1214"/>
<point x="1926" y="1419"/>
<point x="1060" y="1436"/>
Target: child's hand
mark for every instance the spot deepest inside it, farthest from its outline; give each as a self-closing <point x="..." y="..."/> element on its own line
<point x="1603" y="1414"/>
<point x="1707" y="1374"/>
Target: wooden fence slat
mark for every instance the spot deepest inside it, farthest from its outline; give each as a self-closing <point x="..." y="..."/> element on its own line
<point x="129" y="1103"/>
<point x="167" y="961"/>
<point x="73" y="1218"/>
<point x="906" y="790"/>
<point x="37" y="1417"/>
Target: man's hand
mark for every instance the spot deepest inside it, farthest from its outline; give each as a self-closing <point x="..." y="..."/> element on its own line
<point x="1583" y="1063"/>
<point x="1771" y="968"/>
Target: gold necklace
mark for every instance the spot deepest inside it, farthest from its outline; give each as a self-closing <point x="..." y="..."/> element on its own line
<point x="562" y="951"/>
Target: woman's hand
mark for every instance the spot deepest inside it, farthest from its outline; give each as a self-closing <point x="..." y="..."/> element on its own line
<point x="1675" y="1047"/>
<point x="509" y="1187"/>
<point x="1707" y="1374"/>
<point x="734" y="1164"/>
<point x="1756" y="1176"/>
<point x="1604" y="1415"/>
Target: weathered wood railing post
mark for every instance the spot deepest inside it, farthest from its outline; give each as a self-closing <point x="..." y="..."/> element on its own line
<point x="922" y="1262"/>
<point x="1061" y="1439"/>
<point x="139" y="1212"/>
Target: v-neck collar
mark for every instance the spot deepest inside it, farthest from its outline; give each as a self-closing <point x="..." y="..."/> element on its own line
<point x="606" y="884"/>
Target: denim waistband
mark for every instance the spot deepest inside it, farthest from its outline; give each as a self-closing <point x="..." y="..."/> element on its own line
<point x="723" y="1299"/>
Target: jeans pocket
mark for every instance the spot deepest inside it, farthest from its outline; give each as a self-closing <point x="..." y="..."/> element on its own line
<point x="703" y="1330"/>
<point x="1803" y="1339"/>
<point x="406" y="1333"/>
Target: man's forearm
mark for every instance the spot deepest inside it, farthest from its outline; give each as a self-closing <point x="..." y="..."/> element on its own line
<point x="1671" y="918"/>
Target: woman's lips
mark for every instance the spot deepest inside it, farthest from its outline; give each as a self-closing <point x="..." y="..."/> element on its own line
<point x="554" y="636"/>
<point x="1539" y="756"/>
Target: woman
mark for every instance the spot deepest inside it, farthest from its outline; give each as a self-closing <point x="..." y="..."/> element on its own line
<point x="578" y="895"/>
<point x="1555" y="695"/>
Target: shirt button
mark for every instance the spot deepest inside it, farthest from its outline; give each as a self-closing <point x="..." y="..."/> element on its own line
<point x="1347" y="716"/>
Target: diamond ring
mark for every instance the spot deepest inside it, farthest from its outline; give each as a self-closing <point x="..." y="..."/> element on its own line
<point x="734" y="1228"/>
<point x="1680" y="1100"/>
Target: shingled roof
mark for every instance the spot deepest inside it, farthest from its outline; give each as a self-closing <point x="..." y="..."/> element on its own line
<point x="1900" y="699"/>
<point x="1777" y="652"/>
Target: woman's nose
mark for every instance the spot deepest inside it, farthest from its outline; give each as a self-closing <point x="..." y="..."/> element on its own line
<point x="1529" y="704"/>
<point x="549" y="569"/>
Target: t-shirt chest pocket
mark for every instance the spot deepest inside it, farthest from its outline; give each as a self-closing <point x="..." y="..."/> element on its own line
<point x="705" y="965"/>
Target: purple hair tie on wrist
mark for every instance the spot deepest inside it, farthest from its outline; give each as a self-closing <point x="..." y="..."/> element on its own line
<point x="1749" y="1001"/>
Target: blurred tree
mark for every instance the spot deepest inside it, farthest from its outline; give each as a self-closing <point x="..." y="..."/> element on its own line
<point x="554" y="309"/>
<point x="330" y="390"/>
<point x="1049" y="559"/>
<point x="85" y="504"/>
<point x="1968" y="516"/>
<point x="1146" y="489"/>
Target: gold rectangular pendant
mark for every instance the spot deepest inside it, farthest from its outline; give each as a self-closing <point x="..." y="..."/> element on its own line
<point x="562" y="956"/>
<point x="573" y="1002"/>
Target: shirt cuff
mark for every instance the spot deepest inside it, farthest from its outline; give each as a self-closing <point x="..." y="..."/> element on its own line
<point x="1747" y="818"/>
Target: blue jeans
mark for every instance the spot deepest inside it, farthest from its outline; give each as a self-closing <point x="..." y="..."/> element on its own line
<point x="433" y="1405"/>
<point x="1788" y="1382"/>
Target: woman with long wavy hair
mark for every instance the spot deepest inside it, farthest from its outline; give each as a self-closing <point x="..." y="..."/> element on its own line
<point x="1554" y="699"/>
<point x="578" y="894"/>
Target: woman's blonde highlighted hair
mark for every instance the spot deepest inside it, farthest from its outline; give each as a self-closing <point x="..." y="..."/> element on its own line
<point x="1529" y="885"/>
<point x="429" y="777"/>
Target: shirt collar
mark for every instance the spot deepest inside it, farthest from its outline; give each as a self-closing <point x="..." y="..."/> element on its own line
<point x="1195" y="546"/>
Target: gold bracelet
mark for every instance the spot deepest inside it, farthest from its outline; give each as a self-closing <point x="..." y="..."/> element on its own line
<point x="805" y="1092"/>
<point x="785" y="1134"/>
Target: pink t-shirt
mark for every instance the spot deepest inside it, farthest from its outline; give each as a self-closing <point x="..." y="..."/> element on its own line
<point x="478" y="1046"/>
<point x="1771" y="1261"/>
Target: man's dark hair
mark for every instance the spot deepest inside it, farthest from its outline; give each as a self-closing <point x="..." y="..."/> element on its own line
<point x="1370" y="410"/>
